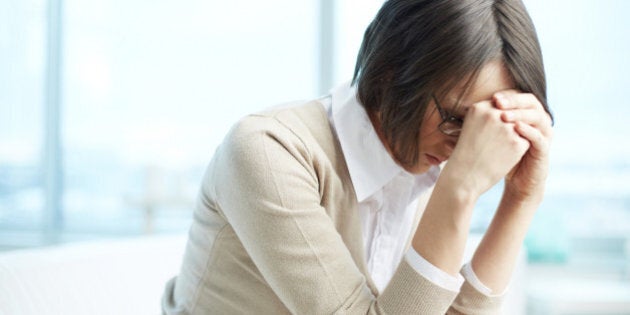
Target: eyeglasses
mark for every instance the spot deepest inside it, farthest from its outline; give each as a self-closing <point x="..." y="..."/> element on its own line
<point x="450" y="125"/>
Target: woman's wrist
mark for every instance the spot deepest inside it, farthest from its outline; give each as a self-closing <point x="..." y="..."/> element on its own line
<point x="516" y="197"/>
<point x="462" y="184"/>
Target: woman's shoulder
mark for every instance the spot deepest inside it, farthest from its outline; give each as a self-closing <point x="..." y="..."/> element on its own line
<point x="304" y="121"/>
<point x="300" y="114"/>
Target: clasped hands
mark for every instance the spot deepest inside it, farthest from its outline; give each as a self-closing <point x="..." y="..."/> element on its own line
<point x="507" y="137"/>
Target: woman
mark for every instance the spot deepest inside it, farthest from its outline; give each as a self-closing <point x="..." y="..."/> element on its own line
<point x="318" y="208"/>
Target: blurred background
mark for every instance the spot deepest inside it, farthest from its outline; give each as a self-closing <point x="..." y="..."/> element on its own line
<point x="110" y="110"/>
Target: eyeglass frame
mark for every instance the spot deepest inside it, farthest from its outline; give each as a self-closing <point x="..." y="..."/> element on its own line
<point x="448" y="119"/>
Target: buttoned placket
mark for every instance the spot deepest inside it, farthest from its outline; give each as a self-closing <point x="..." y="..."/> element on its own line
<point x="390" y="207"/>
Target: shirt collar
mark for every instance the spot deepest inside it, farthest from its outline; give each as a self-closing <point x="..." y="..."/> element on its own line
<point x="370" y="165"/>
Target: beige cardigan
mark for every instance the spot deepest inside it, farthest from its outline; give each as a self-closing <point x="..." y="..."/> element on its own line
<point x="276" y="231"/>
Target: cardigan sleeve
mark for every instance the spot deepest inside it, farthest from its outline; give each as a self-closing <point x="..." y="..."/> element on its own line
<point x="267" y="188"/>
<point x="472" y="301"/>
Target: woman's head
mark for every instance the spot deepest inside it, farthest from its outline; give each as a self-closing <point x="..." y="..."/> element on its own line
<point x="418" y="50"/>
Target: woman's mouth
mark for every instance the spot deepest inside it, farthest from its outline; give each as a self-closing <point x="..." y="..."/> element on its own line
<point x="433" y="160"/>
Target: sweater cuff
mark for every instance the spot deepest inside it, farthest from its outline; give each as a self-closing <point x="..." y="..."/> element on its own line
<point x="432" y="273"/>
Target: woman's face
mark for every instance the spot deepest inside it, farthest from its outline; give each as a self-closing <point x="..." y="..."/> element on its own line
<point x="436" y="147"/>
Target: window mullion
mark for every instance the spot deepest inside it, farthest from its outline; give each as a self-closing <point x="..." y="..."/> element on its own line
<point x="53" y="214"/>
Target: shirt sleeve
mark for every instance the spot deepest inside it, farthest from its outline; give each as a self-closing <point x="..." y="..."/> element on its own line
<point x="473" y="297"/>
<point x="432" y="273"/>
<point x="446" y="281"/>
<point x="471" y="277"/>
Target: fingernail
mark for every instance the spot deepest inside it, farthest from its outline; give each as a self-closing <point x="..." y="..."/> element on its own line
<point x="508" y="115"/>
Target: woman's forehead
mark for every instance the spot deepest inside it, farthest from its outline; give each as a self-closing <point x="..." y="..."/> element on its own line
<point x="492" y="78"/>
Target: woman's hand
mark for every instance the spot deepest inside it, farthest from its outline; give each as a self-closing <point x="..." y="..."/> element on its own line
<point x="488" y="148"/>
<point x="526" y="181"/>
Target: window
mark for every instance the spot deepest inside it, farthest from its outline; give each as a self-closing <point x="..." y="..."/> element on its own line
<point x="22" y="97"/>
<point x="151" y="88"/>
<point x="587" y="199"/>
<point x="148" y="90"/>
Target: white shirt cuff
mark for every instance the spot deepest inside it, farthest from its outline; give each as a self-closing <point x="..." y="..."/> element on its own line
<point x="432" y="273"/>
<point x="471" y="277"/>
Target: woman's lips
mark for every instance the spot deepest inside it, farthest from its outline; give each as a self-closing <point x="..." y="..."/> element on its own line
<point x="433" y="160"/>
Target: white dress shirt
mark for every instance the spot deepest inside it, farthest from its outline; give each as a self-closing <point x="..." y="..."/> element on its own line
<point x="387" y="195"/>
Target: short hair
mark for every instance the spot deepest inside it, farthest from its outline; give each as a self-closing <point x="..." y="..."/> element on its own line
<point x="414" y="49"/>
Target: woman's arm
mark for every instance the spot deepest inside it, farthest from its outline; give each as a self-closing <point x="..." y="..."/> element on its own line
<point x="486" y="151"/>
<point x="516" y="123"/>
<point x="496" y="255"/>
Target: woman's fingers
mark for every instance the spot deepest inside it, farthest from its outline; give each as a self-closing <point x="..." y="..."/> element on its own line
<point x="534" y="117"/>
<point x="512" y="99"/>
<point x="523" y="107"/>
<point x="528" y="116"/>
<point x="538" y="141"/>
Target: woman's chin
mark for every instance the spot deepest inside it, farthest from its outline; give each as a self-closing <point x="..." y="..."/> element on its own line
<point x="420" y="168"/>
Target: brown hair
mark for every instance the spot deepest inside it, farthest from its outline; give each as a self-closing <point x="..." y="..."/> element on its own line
<point x="416" y="48"/>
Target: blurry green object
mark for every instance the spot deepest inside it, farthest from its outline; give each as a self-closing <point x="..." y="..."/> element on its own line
<point x="547" y="240"/>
